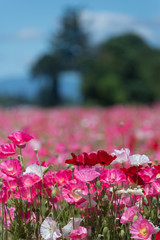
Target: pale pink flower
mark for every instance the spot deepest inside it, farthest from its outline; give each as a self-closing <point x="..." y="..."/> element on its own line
<point x="142" y="229"/>
<point x="129" y="214"/>
<point x="122" y="156"/>
<point x="86" y="175"/>
<point x="79" y="233"/>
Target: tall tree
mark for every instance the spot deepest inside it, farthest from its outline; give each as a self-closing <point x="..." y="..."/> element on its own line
<point x="68" y="49"/>
<point x="124" y="69"/>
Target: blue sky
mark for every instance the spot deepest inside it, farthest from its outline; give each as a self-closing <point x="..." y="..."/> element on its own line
<point x="27" y="26"/>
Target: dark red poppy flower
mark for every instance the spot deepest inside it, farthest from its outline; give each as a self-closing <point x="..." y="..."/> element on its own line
<point x="104" y="158"/>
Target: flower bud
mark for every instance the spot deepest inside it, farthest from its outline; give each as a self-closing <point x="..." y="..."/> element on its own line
<point x="122" y="233"/>
<point x="135" y="218"/>
<point x="98" y="184"/>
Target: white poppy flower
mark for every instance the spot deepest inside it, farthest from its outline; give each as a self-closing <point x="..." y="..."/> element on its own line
<point x="122" y="155"/>
<point x="49" y="230"/>
<point x="69" y="227"/>
<point x="37" y="169"/>
<point x="137" y="159"/>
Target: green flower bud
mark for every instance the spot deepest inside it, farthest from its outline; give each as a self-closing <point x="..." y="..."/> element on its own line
<point x="145" y="200"/>
<point x="98" y="184"/>
<point x="54" y="192"/>
<point x="122" y="233"/>
<point x="105" y="231"/>
<point x="135" y="218"/>
<point x="105" y="197"/>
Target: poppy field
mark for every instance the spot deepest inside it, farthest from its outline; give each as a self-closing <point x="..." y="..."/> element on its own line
<point x="80" y="173"/>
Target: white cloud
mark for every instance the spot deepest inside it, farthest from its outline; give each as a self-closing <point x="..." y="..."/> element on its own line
<point x="104" y="24"/>
<point x="27" y="33"/>
<point x="21" y="35"/>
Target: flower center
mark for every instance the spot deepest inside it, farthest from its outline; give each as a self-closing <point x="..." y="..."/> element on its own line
<point x="143" y="231"/>
<point x="75" y="194"/>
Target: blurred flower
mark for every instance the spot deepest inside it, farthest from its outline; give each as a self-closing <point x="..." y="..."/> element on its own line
<point x="20" y="138"/>
<point x="137" y="159"/>
<point x="7" y="150"/>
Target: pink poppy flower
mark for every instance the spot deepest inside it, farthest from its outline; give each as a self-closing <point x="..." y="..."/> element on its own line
<point x="20" y="138"/>
<point x="148" y="174"/>
<point x="79" y="233"/>
<point x="11" y="168"/>
<point x="28" y="180"/>
<point x="70" y="191"/>
<point x="152" y="189"/>
<point x="129" y="214"/>
<point x="63" y="176"/>
<point x="7" y="150"/>
<point x="142" y="229"/>
<point x="112" y="176"/>
<point x="86" y="174"/>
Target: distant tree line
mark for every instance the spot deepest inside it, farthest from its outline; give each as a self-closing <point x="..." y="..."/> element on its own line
<point x="124" y="69"/>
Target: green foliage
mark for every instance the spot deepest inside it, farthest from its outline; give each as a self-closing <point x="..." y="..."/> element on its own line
<point x="123" y="70"/>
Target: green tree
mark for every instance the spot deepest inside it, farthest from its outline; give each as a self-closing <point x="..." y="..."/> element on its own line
<point x="67" y="52"/>
<point x="119" y="67"/>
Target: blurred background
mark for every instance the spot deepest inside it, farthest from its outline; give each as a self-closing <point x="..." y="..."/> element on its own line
<point x="78" y="52"/>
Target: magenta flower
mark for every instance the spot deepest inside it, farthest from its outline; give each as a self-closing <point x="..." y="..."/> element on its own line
<point x="10" y="168"/>
<point x="148" y="174"/>
<point x="7" y="150"/>
<point x="112" y="176"/>
<point x="20" y="138"/>
<point x="142" y="229"/>
<point x="63" y="176"/>
<point x="71" y="191"/>
<point x="79" y="233"/>
<point x="28" y="180"/>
